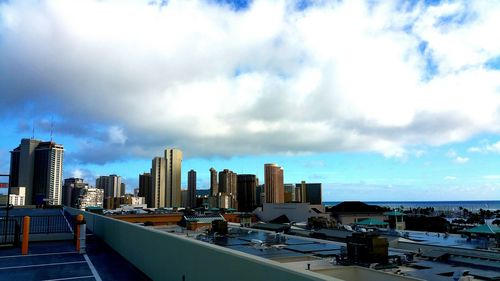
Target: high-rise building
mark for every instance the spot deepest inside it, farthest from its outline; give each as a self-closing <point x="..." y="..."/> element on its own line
<point x="228" y="182"/>
<point x="38" y="166"/>
<point x="47" y="181"/>
<point x="173" y="158"/>
<point x="260" y="195"/>
<point x="72" y="190"/>
<point x="184" y="198"/>
<point x="123" y="189"/>
<point x="158" y="174"/>
<point x="22" y="167"/>
<point x="191" y="189"/>
<point x="214" y="188"/>
<point x="145" y="188"/>
<point x="289" y="195"/>
<point x="310" y="192"/>
<point x="246" y="195"/>
<point x="273" y="179"/>
<point x="112" y="185"/>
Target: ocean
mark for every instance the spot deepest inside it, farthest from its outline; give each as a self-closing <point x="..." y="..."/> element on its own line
<point x="448" y="206"/>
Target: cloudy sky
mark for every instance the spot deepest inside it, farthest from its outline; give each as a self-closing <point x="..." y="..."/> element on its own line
<point x="378" y="100"/>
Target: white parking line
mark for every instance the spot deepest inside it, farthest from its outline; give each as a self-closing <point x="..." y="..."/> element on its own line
<point x="92" y="268"/>
<point x="34" y="255"/>
<point x="70" y="278"/>
<point x="38" y="265"/>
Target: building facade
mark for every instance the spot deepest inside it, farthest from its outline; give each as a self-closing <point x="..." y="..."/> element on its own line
<point x="214" y="188"/>
<point x="247" y="192"/>
<point x="191" y="189"/>
<point x="112" y="185"/>
<point x="273" y="180"/>
<point x="158" y="174"/>
<point x="91" y="197"/>
<point x="17" y="196"/>
<point x="73" y="188"/>
<point x="310" y="192"/>
<point x="145" y="188"/>
<point x="173" y="165"/>
<point x="38" y="167"/>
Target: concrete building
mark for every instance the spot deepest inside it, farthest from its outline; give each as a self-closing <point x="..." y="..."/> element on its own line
<point x="260" y="196"/>
<point x="145" y="188"/>
<point x="191" y="189"/>
<point x="214" y="188"/>
<point x="228" y="181"/>
<point x="17" y="196"/>
<point x="123" y="189"/>
<point x="112" y="185"/>
<point x="224" y="200"/>
<point x="289" y="194"/>
<point x="158" y="174"/>
<point x="47" y="181"/>
<point x="91" y="197"/>
<point x="184" y="198"/>
<point x="173" y="163"/>
<point x="246" y="194"/>
<point x="228" y="184"/>
<point x="22" y="167"/>
<point x="73" y="189"/>
<point x="38" y="166"/>
<point x="309" y="192"/>
<point x="273" y="180"/>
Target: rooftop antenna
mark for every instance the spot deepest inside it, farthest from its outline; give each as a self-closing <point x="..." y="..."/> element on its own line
<point x="33" y="130"/>
<point x="51" y="128"/>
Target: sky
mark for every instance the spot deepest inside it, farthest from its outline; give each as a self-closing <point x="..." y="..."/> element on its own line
<point x="377" y="100"/>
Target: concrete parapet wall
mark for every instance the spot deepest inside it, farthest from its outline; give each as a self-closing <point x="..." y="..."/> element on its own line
<point x="166" y="256"/>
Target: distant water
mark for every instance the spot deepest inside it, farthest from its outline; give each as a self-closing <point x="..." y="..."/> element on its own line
<point x="437" y="205"/>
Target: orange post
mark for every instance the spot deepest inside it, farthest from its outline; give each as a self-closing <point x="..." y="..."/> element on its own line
<point x="26" y="235"/>
<point x="78" y="219"/>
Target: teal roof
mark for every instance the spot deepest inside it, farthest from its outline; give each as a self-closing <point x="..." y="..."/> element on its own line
<point x="204" y="218"/>
<point x="371" y="221"/>
<point x="484" y="229"/>
<point x="94" y="208"/>
<point x="393" y="213"/>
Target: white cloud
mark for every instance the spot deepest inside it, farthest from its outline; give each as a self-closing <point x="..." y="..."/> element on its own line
<point x="486" y="148"/>
<point x="77" y="173"/>
<point x="450" y="178"/>
<point x="347" y="76"/>
<point x="116" y="135"/>
<point x="461" y="160"/>
<point x="456" y="158"/>
<point x="491" y="177"/>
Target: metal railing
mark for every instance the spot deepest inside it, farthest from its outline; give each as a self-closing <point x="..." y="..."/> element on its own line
<point x="11" y="231"/>
<point x="44" y="224"/>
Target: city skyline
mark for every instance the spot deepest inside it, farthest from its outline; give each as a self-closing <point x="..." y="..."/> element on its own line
<point x="376" y="100"/>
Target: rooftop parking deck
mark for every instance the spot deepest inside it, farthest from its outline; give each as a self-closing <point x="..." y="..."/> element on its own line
<point x="59" y="260"/>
